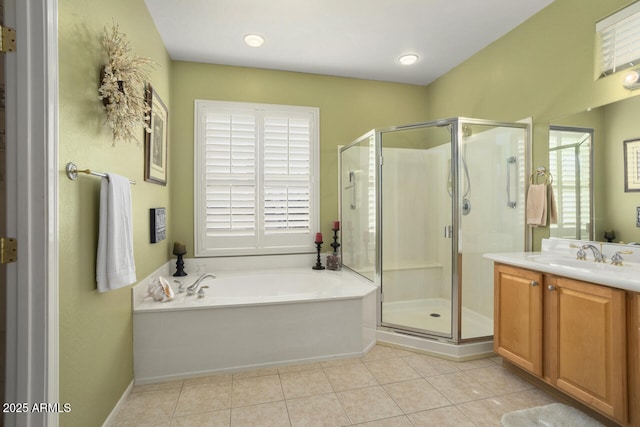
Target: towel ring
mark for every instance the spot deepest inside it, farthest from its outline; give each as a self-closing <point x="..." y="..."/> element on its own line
<point x="541" y="171"/>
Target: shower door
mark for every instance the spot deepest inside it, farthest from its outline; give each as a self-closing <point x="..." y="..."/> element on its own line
<point x="415" y="190"/>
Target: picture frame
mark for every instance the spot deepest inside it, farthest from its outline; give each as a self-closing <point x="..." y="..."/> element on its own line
<point x="632" y="165"/>
<point x="155" y="142"/>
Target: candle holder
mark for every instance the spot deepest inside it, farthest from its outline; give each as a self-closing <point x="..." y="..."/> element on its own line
<point x="335" y="245"/>
<point x="318" y="265"/>
<point x="179" y="249"/>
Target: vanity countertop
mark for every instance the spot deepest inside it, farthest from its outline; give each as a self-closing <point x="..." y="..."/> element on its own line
<point x="558" y="258"/>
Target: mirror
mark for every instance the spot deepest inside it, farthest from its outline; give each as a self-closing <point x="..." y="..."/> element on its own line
<point x="570" y="157"/>
<point x="612" y="209"/>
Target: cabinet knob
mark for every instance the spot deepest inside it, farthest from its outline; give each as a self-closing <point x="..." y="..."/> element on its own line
<point x="534" y="283"/>
<point x="551" y="288"/>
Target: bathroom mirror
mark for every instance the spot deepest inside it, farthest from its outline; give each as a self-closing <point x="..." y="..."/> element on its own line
<point x="613" y="210"/>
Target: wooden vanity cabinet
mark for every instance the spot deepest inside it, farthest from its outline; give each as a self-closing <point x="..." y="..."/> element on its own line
<point x="576" y="342"/>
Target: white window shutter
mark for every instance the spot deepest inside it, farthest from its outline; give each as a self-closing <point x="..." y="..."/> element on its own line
<point x="619" y="38"/>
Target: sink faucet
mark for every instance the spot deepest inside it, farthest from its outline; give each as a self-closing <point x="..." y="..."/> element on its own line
<point x="194" y="288"/>
<point x="597" y="254"/>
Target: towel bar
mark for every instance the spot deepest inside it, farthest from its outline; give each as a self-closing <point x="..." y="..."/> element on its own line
<point x="72" y="172"/>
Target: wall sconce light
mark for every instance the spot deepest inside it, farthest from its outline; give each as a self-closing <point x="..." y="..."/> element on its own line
<point x="632" y="80"/>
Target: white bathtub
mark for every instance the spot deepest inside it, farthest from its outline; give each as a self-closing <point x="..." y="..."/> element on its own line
<point x="253" y="319"/>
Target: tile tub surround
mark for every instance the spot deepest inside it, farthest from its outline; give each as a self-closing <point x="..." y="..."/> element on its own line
<point x="420" y="390"/>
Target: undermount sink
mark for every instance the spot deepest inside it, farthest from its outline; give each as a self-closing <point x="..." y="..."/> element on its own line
<point x="583" y="265"/>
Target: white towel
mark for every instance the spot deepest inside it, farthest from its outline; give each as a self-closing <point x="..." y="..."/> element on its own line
<point x="537" y="205"/>
<point x="115" y="266"/>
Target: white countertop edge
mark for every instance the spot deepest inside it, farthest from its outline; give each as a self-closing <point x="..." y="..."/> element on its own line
<point x="521" y="259"/>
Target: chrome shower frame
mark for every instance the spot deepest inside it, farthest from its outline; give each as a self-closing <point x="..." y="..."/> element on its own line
<point x="456" y="125"/>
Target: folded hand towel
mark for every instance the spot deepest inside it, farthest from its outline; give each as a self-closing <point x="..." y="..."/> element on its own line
<point x="115" y="266"/>
<point x="537" y="205"/>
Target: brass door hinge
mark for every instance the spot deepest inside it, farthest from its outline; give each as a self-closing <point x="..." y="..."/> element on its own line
<point x="7" y="39"/>
<point x="8" y="250"/>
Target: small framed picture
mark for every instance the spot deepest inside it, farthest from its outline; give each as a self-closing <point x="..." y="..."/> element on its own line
<point x="155" y="142"/>
<point x="632" y="165"/>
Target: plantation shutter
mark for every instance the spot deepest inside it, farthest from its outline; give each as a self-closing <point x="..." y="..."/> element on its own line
<point x="619" y="40"/>
<point x="287" y="173"/>
<point x="256" y="186"/>
<point x="230" y="153"/>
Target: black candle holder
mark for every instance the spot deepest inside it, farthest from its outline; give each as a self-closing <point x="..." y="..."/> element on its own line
<point x="318" y="265"/>
<point x="179" y="267"/>
<point x="335" y="245"/>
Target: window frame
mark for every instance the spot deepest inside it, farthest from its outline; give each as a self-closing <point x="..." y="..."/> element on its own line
<point x="261" y="243"/>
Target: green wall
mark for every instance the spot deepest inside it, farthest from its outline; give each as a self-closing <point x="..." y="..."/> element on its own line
<point x="543" y="69"/>
<point x="96" y="352"/>
<point x="348" y="109"/>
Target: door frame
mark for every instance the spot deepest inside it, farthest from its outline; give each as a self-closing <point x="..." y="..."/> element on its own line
<point x="32" y="212"/>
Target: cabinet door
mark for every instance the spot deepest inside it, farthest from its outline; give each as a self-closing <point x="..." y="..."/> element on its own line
<point x="518" y="317"/>
<point x="591" y="356"/>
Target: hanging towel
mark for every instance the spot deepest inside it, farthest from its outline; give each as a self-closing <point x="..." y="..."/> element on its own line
<point x="553" y="208"/>
<point x="537" y="205"/>
<point x="115" y="266"/>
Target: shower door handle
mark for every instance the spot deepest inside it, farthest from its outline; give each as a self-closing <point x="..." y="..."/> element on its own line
<point x="448" y="232"/>
<point x="511" y="161"/>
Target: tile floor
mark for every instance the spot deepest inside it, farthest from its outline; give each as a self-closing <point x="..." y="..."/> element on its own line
<point x="388" y="387"/>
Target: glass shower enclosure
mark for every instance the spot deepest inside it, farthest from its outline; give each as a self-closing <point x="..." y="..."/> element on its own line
<point x="420" y="204"/>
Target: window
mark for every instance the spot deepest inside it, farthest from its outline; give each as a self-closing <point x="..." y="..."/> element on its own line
<point x="256" y="178"/>
<point x="619" y="40"/>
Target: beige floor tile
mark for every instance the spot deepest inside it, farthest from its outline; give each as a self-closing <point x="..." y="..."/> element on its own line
<point x="391" y="370"/>
<point x="255" y="373"/>
<point x="340" y="362"/>
<point x="157" y="386"/>
<point x="209" y="379"/>
<point x="497" y="360"/>
<point x="486" y="412"/>
<point x="416" y="395"/>
<point x="141" y="422"/>
<point x="304" y="383"/>
<point x="474" y="364"/>
<point x="459" y="387"/>
<point x="151" y="406"/>
<point x="528" y="399"/>
<point x="428" y="366"/>
<point x="449" y="416"/>
<point x="384" y="352"/>
<point x="208" y="419"/>
<point x="272" y="414"/>
<point x="349" y="377"/>
<point x="500" y="380"/>
<point x="199" y="398"/>
<point x="318" y="411"/>
<point x="255" y="390"/>
<point x="368" y="404"/>
<point x="402" y="421"/>
<point x="301" y="367"/>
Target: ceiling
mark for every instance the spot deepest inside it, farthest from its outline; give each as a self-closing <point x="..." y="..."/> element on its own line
<point x="348" y="38"/>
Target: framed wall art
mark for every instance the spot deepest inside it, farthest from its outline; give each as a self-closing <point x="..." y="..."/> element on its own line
<point x="632" y="165"/>
<point x="155" y="141"/>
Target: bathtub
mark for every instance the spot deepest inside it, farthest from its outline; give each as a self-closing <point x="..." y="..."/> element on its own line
<point x="252" y="319"/>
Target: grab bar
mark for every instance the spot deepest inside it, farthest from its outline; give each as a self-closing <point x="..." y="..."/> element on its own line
<point x="511" y="161"/>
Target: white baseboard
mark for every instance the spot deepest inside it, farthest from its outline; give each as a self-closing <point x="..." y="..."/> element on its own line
<point x="114" y="412"/>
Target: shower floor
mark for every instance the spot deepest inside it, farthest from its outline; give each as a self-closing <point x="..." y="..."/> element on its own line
<point x="434" y="315"/>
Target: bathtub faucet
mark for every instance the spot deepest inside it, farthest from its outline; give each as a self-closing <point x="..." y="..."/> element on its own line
<point x="194" y="288"/>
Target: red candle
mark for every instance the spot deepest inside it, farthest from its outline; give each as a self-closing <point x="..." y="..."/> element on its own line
<point x="318" y="237"/>
<point x="336" y="225"/>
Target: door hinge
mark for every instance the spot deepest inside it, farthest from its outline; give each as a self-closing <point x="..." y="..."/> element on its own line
<point x="8" y="250"/>
<point x="381" y="296"/>
<point x="7" y="39"/>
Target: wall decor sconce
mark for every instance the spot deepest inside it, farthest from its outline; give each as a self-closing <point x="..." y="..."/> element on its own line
<point x="632" y="80"/>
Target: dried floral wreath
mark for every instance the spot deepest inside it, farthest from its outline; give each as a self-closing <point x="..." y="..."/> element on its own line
<point x="123" y="87"/>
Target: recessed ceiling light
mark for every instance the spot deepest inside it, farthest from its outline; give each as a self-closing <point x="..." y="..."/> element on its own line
<point x="409" y="59"/>
<point x="253" y="40"/>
